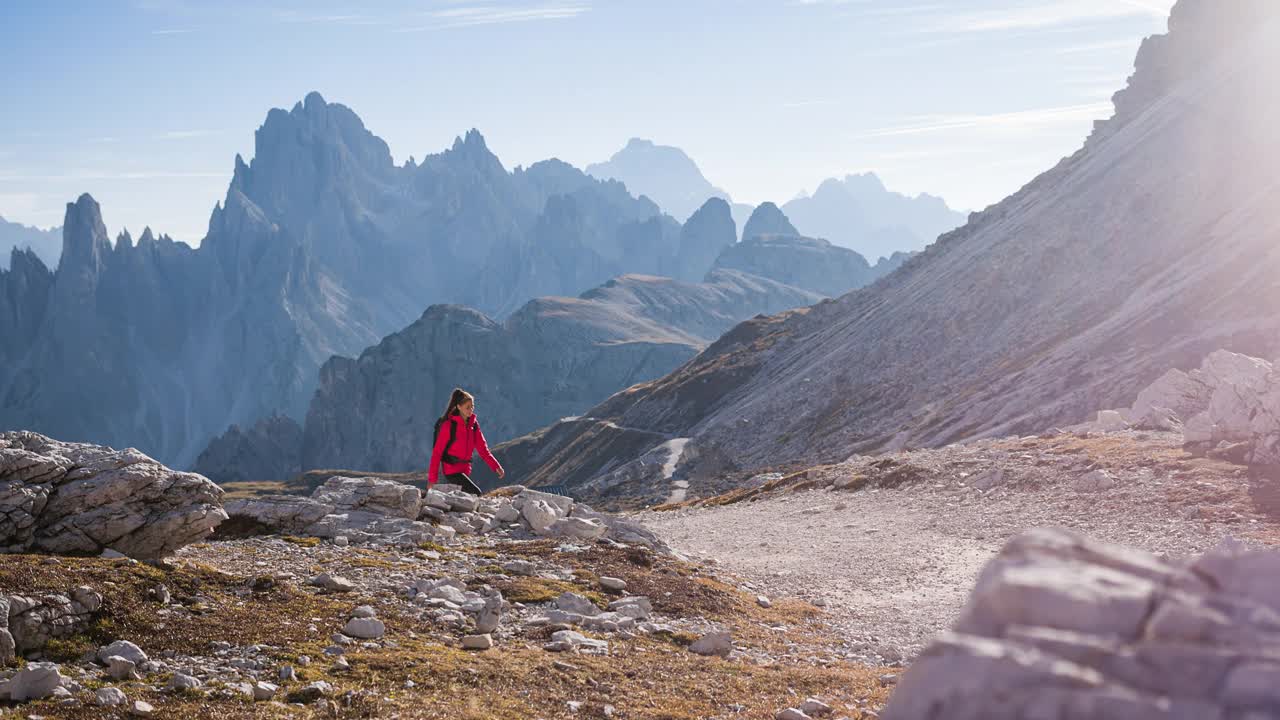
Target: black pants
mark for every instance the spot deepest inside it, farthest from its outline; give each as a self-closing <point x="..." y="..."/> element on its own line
<point x="465" y="481"/>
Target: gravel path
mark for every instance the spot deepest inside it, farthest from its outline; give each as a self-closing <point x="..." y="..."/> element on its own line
<point x="894" y="566"/>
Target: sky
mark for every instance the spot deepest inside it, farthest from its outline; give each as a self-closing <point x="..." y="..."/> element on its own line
<point x="144" y="103"/>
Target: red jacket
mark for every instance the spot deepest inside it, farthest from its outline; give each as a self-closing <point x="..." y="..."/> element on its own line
<point x="467" y="440"/>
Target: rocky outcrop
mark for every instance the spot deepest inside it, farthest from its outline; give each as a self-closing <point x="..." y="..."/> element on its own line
<point x="1062" y="627"/>
<point x="28" y="623"/>
<point x="1090" y="282"/>
<point x="270" y="450"/>
<point x="706" y="234"/>
<point x="386" y="512"/>
<point x="74" y="498"/>
<point x="1228" y="407"/>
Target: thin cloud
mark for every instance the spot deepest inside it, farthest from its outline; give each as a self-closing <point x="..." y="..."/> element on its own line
<point x="808" y="103"/>
<point x="186" y="134"/>
<point x="103" y="175"/>
<point x="472" y="16"/>
<point x="1019" y="119"/>
<point x="1044" y="15"/>
<point x="172" y="31"/>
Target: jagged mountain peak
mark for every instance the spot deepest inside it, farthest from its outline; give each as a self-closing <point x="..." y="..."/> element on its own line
<point x="768" y="219"/>
<point x="84" y="236"/>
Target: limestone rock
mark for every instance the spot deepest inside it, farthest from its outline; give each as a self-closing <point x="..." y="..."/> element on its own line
<point x="1061" y="626"/>
<point x="79" y="498"/>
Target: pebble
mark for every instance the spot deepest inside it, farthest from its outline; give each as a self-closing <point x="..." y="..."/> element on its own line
<point x="613" y="584"/>
<point x="478" y="642"/>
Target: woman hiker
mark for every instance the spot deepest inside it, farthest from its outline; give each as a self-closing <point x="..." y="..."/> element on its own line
<point x="457" y="437"/>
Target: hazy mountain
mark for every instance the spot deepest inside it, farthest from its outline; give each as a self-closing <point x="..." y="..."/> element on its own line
<point x="666" y="175"/>
<point x="858" y="212"/>
<point x="45" y="243"/>
<point x="1153" y="245"/>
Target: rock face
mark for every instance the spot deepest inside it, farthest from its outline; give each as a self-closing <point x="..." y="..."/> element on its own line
<point x="322" y="246"/>
<point x="1091" y="281"/>
<point x="815" y="265"/>
<point x="28" y="623"/>
<point x="859" y="213"/>
<point x="75" y="498"/>
<point x="1062" y="627"/>
<point x="554" y="358"/>
<point x="270" y="450"/>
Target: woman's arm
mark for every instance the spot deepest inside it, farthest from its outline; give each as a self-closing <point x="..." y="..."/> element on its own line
<point x="437" y="452"/>
<point x="482" y="447"/>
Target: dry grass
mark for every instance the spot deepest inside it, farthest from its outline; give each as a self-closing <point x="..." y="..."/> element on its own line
<point x="645" y="678"/>
<point x="253" y="489"/>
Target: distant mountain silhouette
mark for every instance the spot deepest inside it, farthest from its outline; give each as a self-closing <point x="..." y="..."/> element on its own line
<point x="46" y="243"/>
<point x="666" y="175"/>
<point x="859" y="213"/>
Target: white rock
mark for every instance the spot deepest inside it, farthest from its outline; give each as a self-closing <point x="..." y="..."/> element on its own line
<point x="182" y="681"/>
<point x="124" y="649"/>
<point x="33" y="681"/>
<point x="478" y="642"/>
<point x="140" y="708"/>
<point x="364" y="611"/>
<point x="763" y="601"/>
<point x="332" y="583"/>
<point x="576" y="527"/>
<point x="791" y="714"/>
<point x="575" y="603"/>
<point x="264" y="691"/>
<point x="121" y="668"/>
<point x="815" y="707"/>
<point x="612" y="583"/>
<point x="110" y="697"/>
<point x="539" y="515"/>
<point x="365" y="628"/>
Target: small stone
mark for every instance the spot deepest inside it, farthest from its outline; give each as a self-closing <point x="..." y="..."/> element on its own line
<point x="124" y="649"/>
<point x="141" y="709"/>
<point x="815" y="707"/>
<point x="287" y="673"/>
<point x="791" y="714"/>
<point x="182" y="681"/>
<point x="341" y="664"/>
<point x="613" y="584"/>
<point x="713" y="643"/>
<point x="112" y="554"/>
<point x="520" y="567"/>
<point x="263" y="691"/>
<point x="888" y="679"/>
<point x="365" y="628"/>
<point x="332" y="583"/>
<point x="478" y="642"/>
<point x="364" y="611"/>
<point x="575" y="603"/>
<point x="110" y="697"/>
<point x="341" y="541"/>
<point x="119" y="668"/>
<point x="763" y="601"/>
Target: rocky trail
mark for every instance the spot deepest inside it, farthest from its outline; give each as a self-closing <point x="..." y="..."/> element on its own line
<point x="892" y="546"/>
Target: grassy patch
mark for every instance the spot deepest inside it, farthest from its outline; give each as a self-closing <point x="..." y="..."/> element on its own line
<point x="303" y="541"/>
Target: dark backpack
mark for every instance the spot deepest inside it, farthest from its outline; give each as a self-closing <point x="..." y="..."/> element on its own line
<point x="453" y="435"/>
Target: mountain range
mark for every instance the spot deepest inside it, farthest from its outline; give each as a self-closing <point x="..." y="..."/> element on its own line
<point x="321" y="247"/>
<point x="856" y="212"/>
<point x="15" y="236"/>
<point x="1154" y="244"/>
<point x="555" y="357"/>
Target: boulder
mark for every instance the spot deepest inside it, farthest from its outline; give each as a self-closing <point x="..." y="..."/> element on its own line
<point x="31" y="622"/>
<point x="578" y="528"/>
<point x="34" y="681"/>
<point x="371" y="494"/>
<point x="110" y="697"/>
<point x="123" y="649"/>
<point x="1060" y="626"/>
<point x="79" y="498"/>
<point x="482" y="641"/>
<point x="365" y="628"/>
<point x="539" y="515"/>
